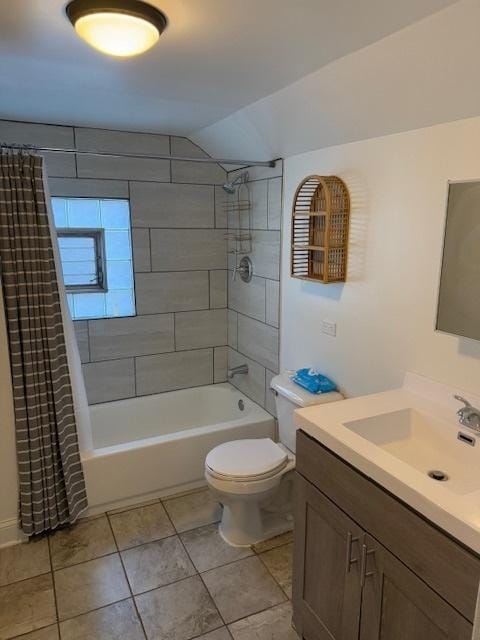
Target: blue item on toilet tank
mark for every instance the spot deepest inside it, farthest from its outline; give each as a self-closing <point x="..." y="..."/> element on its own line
<point x="313" y="381"/>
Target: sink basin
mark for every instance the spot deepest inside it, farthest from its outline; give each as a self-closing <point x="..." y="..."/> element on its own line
<point x="425" y="443"/>
<point x="397" y="437"/>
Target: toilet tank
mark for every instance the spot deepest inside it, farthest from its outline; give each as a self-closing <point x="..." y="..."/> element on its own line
<point x="290" y="396"/>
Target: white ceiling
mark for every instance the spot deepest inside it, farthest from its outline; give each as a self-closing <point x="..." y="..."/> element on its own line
<point x="417" y="77"/>
<point x="216" y="57"/>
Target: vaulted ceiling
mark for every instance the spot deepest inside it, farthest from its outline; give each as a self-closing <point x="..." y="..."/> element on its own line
<point x="216" y="57"/>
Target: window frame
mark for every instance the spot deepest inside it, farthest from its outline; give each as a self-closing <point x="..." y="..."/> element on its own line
<point x="98" y="235"/>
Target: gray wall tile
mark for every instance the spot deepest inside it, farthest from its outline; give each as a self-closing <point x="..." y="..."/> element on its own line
<point x="81" y="334"/>
<point x="247" y="297"/>
<point x="269" y="405"/>
<point x="121" y="141"/>
<point x="179" y="370"/>
<point x="274" y="203"/>
<point x="188" y="249"/>
<point x="198" y="329"/>
<point x="232" y="322"/>
<point x="220" y="364"/>
<point x="122" y="337"/>
<point x="198" y="172"/>
<point x="258" y="199"/>
<point x="141" y="250"/>
<point x="60" y="164"/>
<point x="252" y="305"/>
<point x="110" y="380"/>
<point x="272" y="302"/>
<point x="221" y="221"/>
<point x="251" y="384"/>
<point x="172" y="205"/>
<point x="185" y="148"/>
<point x="164" y="292"/>
<point x="258" y="341"/>
<point x="266" y="254"/>
<point x="218" y="289"/>
<point x="41" y="135"/>
<point x="117" y="343"/>
<point x="84" y="187"/>
<point x="123" y="168"/>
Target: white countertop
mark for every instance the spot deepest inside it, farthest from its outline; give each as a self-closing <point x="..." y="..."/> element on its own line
<point x="456" y="513"/>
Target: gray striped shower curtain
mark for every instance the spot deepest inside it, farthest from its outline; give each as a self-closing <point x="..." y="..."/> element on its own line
<point x="51" y="482"/>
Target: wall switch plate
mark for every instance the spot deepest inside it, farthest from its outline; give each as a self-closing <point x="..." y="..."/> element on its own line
<point x="330" y="328"/>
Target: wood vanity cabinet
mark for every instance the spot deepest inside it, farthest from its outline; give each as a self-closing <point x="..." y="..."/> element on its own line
<point x="366" y="566"/>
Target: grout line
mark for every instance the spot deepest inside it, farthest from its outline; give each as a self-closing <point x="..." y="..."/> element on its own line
<point x="126" y="577"/>
<point x="197" y="573"/>
<point x="85" y="613"/>
<point x="54" y="587"/>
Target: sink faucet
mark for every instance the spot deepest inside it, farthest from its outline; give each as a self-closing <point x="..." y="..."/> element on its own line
<point x="234" y="371"/>
<point x="468" y="415"/>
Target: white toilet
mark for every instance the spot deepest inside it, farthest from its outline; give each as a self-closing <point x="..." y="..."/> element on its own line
<point x="251" y="478"/>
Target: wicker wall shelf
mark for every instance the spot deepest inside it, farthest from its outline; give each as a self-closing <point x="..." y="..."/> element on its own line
<point x="320" y="224"/>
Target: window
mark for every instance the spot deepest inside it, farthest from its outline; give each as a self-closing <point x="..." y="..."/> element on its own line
<point x="95" y="244"/>
<point x="82" y="254"/>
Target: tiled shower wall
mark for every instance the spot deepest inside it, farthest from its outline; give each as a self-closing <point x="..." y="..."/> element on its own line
<point x="178" y="337"/>
<point x="253" y="307"/>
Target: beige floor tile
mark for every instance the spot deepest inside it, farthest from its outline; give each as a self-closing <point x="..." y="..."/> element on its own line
<point x="242" y="588"/>
<point x="193" y="510"/>
<point x="26" y="606"/>
<point x="278" y="541"/>
<point x="138" y="526"/>
<point x="208" y="550"/>
<point x="279" y="562"/>
<point x="90" y="585"/>
<point x="119" y="620"/>
<point x="218" y="634"/>
<point x="272" y="624"/>
<point x="47" y="633"/>
<point x="157" y="564"/>
<point x="136" y="505"/>
<point x="21" y="561"/>
<point x="179" y="611"/>
<point x="86" y="540"/>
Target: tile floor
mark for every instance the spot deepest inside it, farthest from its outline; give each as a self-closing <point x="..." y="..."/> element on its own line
<point x="158" y="571"/>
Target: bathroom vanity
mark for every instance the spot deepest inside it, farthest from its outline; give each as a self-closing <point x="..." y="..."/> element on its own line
<point x="382" y="550"/>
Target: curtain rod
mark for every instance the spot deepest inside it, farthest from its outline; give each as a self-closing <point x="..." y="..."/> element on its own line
<point x="250" y="163"/>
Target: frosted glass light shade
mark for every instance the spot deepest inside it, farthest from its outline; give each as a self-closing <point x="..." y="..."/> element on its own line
<point x="117" y="34"/>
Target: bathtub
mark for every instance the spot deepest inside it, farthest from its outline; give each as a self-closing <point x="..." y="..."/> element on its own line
<point x="156" y="445"/>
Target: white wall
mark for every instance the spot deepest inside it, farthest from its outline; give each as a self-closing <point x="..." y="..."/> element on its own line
<point x="419" y="76"/>
<point x="385" y="312"/>
<point x="8" y="458"/>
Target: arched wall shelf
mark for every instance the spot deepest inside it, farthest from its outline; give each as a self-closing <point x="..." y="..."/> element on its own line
<point x="320" y="225"/>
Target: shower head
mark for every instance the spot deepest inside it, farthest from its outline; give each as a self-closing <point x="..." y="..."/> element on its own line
<point x="231" y="186"/>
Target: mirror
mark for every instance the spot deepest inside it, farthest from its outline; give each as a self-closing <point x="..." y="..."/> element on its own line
<point x="459" y="296"/>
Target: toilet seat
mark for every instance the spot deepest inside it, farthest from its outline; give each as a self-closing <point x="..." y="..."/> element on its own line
<point x="246" y="460"/>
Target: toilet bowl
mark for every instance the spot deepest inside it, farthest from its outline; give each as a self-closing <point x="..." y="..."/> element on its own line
<point x="244" y="476"/>
<point x="253" y="478"/>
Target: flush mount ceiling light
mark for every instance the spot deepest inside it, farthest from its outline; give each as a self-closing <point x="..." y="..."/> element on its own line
<point x="118" y="27"/>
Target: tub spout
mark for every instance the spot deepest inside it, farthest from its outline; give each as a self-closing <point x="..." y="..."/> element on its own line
<point x="234" y="371"/>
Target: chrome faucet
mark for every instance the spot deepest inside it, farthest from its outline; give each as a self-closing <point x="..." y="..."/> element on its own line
<point x="468" y="415"/>
<point x="234" y="371"/>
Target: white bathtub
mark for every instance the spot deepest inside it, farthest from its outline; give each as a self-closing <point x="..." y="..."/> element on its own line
<point x="156" y="445"/>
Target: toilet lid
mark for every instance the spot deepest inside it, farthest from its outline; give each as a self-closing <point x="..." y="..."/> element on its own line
<point x="246" y="458"/>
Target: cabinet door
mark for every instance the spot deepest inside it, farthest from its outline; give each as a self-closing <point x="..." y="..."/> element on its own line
<point x="397" y="605"/>
<point x="327" y="593"/>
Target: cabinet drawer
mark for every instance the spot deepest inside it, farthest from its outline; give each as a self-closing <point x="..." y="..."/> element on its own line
<point x="451" y="570"/>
